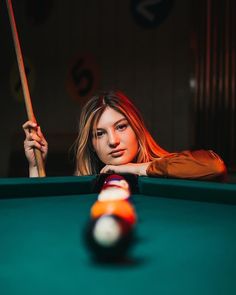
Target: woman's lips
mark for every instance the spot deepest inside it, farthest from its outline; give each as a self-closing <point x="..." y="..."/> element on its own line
<point x="117" y="153"/>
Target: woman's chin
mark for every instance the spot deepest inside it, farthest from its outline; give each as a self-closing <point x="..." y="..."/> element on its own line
<point x="118" y="162"/>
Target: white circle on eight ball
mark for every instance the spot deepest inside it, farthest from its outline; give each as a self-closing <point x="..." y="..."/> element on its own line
<point x="150" y="13"/>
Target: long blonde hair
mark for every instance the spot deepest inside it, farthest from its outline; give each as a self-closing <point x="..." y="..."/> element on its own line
<point x="87" y="161"/>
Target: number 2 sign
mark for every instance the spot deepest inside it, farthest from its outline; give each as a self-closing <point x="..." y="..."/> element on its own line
<point x="150" y="13"/>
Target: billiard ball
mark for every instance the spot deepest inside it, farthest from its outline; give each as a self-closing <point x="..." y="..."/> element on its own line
<point x="115" y="187"/>
<point x="120" y="208"/>
<point x="109" y="237"/>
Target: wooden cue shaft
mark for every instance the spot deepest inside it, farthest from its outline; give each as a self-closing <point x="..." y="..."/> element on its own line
<point x="25" y="87"/>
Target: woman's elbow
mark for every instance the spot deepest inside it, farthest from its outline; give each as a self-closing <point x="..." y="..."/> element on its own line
<point x="219" y="170"/>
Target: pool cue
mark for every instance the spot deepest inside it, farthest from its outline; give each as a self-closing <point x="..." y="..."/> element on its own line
<point x="25" y="87"/>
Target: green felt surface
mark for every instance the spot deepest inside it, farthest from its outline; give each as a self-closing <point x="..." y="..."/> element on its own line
<point x="47" y="186"/>
<point x="183" y="247"/>
<point x="188" y="189"/>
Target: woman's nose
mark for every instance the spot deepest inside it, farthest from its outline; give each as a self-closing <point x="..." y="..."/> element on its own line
<point x="113" y="139"/>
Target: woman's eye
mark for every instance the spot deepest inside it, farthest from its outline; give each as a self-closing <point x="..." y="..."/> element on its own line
<point x="121" y="126"/>
<point x="99" y="133"/>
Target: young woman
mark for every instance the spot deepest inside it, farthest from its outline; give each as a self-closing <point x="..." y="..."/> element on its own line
<point x="113" y="138"/>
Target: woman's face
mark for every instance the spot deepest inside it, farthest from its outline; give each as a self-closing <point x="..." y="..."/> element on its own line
<point x="114" y="140"/>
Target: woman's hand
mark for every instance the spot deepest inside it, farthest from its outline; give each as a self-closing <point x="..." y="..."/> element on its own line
<point x="133" y="168"/>
<point x="34" y="139"/>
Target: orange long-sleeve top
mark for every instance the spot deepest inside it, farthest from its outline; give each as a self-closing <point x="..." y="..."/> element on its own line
<point x="200" y="164"/>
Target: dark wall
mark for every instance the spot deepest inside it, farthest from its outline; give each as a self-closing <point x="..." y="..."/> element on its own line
<point x="153" y="65"/>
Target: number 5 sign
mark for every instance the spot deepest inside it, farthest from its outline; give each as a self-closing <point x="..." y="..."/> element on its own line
<point x="150" y="13"/>
<point x="83" y="77"/>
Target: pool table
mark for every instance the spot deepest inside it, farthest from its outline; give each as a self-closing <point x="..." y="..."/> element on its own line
<point x="185" y="239"/>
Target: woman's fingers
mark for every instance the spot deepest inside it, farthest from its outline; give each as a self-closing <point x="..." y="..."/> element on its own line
<point x="133" y="168"/>
<point x="33" y="132"/>
<point x="29" y="128"/>
<point x="32" y="144"/>
<point x="29" y="125"/>
<point x="34" y="139"/>
<point x="108" y="169"/>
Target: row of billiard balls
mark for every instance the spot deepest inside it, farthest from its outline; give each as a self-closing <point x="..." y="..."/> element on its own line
<point x="109" y="233"/>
